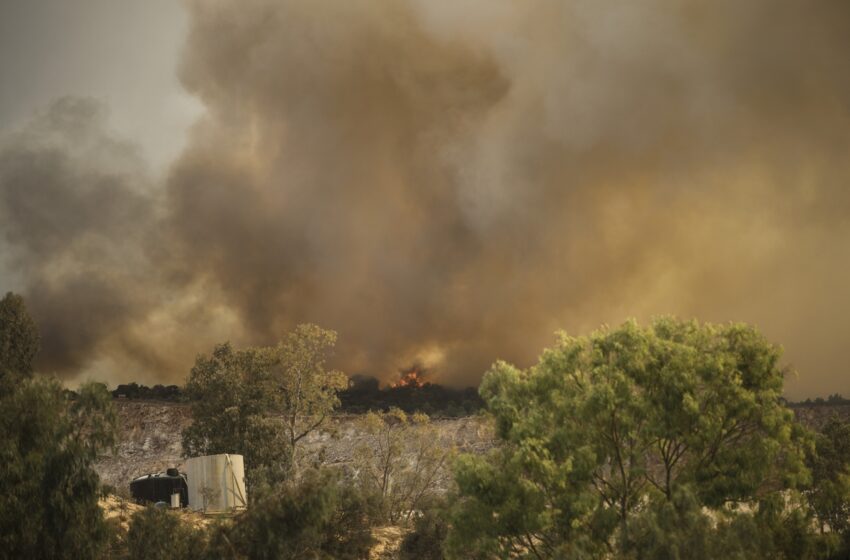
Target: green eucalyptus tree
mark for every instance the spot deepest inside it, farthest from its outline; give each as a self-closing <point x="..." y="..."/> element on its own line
<point x="262" y="402"/>
<point x="232" y="412"/>
<point x="50" y="439"/>
<point x="606" y="424"/>
<point x="48" y="446"/>
<point x="19" y="341"/>
<point x="303" y="388"/>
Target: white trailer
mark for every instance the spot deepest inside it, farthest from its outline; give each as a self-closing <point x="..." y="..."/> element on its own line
<point x="216" y="483"/>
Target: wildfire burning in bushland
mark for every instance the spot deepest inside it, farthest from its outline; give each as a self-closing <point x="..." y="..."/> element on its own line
<point x="411" y="377"/>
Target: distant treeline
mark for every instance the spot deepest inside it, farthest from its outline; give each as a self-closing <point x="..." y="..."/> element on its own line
<point x="143" y="392"/>
<point x="363" y="394"/>
<point x="831" y="400"/>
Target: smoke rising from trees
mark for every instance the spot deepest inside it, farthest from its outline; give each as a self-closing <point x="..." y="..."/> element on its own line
<point x="449" y="183"/>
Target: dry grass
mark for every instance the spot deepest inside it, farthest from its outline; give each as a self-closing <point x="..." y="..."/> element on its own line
<point x="122" y="510"/>
<point x="389" y="540"/>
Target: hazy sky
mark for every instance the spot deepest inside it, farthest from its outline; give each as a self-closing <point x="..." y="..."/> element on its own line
<point x="122" y="52"/>
<point x="441" y="182"/>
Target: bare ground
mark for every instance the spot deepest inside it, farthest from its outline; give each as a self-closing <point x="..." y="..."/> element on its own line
<point x="150" y="440"/>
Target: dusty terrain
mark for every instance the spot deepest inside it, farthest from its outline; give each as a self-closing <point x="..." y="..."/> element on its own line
<point x="150" y="437"/>
<point x="151" y="433"/>
<point x="122" y="510"/>
<point x="150" y="440"/>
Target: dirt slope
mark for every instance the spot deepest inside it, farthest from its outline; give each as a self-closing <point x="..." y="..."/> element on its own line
<point x="150" y="440"/>
<point x="150" y="437"/>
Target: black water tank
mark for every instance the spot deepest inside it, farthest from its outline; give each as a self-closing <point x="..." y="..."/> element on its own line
<point x="159" y="487"/>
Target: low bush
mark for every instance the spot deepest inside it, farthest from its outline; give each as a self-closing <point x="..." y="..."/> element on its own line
<point x="318" y="518"/>
<point x="159" y="534"/>
<point x="425" y="542"/>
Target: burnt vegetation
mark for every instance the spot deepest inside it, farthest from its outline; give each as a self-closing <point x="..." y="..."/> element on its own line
<point x="135" y="391"/>
<point x="410" y="394"/>
<point x="364" y="394"/>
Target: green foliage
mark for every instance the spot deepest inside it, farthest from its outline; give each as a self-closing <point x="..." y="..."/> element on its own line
<point x="829" y="494"/>
<point x="430" y="528"/>
<point x="783" y="529"/>
<point x="606" y="422"/>
<point x="502" y="513"/>
<point x="48" y="445"/>
<point x="401" y="461"/>
<point x="305" y="392"/>
<point x="777" y="527"/>
<point x="233" y="412"/>
<point x="261" y="402"/>
<point x="158" y="534"/>
<point x="317" y="518"/>
<point x="676" y="529"/>
<point x="19" y="341"/>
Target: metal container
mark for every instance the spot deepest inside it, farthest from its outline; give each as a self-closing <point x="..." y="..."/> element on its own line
<point x="159" y="487"/>
<point x="216" y="483"/>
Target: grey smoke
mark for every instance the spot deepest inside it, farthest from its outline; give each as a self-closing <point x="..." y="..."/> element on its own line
<point x="449" y="183"/>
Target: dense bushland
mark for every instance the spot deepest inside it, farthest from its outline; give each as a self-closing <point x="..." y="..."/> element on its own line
<point x="664" y="441"/>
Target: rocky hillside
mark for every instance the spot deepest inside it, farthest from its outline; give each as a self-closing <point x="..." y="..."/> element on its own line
<point x="150" y="440"/>
<point x="150" y="437"/>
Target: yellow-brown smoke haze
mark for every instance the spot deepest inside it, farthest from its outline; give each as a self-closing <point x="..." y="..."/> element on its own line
<point x="451" y="182"/>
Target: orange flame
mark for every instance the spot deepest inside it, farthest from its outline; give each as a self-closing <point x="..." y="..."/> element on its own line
<point x="413" y="377"/>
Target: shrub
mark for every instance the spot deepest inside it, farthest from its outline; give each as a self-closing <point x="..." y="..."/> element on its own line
<point x="425" y="542"/>
<point x="159" y="534"/>
<point x="317" y="518"/>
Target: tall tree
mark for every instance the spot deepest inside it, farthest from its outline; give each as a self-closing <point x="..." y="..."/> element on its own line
<point x="233" y="412"/>
<point x="19" y="340"/>
<point x="262" y="402"/>
<point x="604" y="423"/>
<point x="305" y="390"/>
<point x="48" y="446"/>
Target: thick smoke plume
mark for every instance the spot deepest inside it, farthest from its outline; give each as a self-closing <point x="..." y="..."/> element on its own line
<point x="448" y="183"/>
